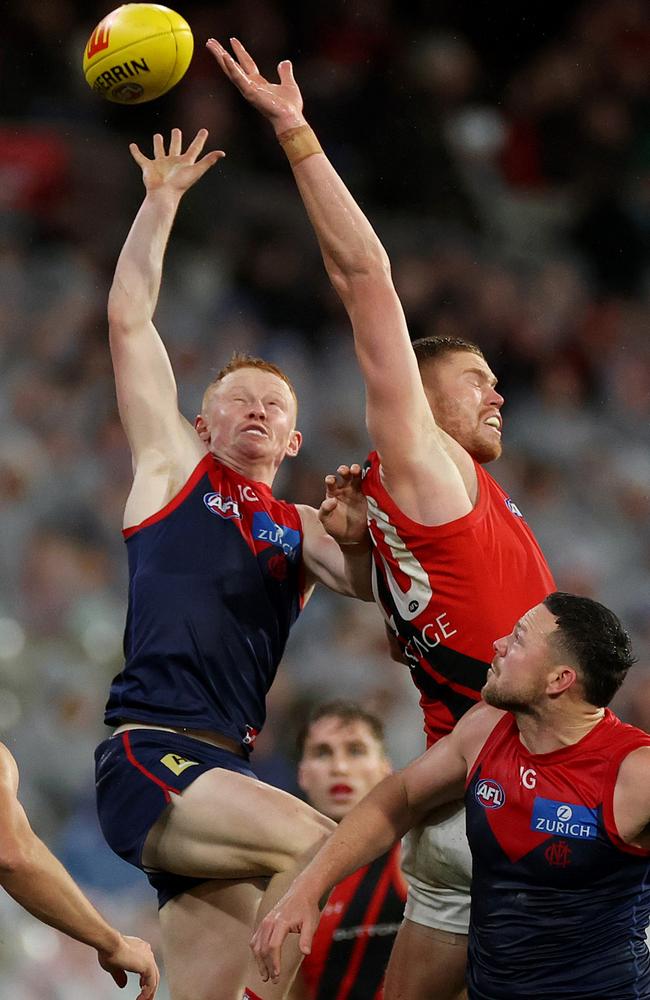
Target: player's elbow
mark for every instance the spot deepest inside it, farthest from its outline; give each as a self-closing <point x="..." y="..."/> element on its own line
<point x="15" y="856"/>
<point x="354" y="271"/>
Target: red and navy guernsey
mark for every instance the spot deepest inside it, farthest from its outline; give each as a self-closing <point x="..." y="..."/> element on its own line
<point x="560" y="903"/>
<point x="215" y="583"/>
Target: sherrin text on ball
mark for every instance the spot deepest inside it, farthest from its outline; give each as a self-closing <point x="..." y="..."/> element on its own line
<point x="137" y="52"/>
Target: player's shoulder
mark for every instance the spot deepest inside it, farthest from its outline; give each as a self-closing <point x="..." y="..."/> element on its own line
<point x="474" y="728"/>
<point x="8" y="768"/>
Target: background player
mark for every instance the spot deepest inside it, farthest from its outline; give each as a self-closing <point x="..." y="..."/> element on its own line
<point x="219" y="570"/>
<point x="558" y="808"/>
<point x="342" y="756"/>
<point x="455" y="561"/>
<point x="32" y="875"/>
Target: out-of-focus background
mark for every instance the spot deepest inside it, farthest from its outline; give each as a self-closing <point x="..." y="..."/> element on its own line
<point x="504" y="158"/>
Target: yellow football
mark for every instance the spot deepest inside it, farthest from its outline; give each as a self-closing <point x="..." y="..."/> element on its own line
<point x="137" y="52"/>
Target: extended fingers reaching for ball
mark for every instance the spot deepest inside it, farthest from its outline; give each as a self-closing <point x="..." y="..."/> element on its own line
<point x="280" y="102"/>
<point x="175" y="169"/>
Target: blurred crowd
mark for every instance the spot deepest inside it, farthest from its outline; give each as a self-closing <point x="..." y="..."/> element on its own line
<point x="504" y="158"/>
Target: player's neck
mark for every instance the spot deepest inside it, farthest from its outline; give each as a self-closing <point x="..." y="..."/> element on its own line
<point x="260" y="471"/>
<point x="545" y="732"/>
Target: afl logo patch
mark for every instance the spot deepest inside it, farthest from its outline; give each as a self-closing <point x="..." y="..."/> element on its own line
<point x="489" y="794"/>
<point x="223" y="506"/>
<point x="513" y="508"/>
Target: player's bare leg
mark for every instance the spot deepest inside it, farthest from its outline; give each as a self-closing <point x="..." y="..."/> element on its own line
<point x="426" y="964"/>
<point x="229" y="827"/>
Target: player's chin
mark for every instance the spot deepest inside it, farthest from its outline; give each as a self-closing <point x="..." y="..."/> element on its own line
<point x="487" y="450"/>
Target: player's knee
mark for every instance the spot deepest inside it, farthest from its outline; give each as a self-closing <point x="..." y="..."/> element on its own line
<point x="315" y="831"/>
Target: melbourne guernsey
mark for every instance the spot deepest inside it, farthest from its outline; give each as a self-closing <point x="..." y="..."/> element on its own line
<point x="216" y="581"/>
<point x="559" y="902"/>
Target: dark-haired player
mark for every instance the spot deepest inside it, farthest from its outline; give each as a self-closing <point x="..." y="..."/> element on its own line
<point x="455" y="562"/>
<point x="219" y="571"/>
<point x="557" y="791"/>
<point x="342" y="757"/>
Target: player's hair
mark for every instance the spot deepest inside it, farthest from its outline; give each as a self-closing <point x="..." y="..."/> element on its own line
<point x="432" y="348"/>
<point x="345" y="711"/>
<point x="242" y="360"/>
<point x="595" y="640"/>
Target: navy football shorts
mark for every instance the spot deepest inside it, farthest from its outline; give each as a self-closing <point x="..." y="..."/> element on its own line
<point x="136" y="773"/>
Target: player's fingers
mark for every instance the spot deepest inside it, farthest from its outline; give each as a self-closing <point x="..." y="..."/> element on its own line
<point x="285" y="72"/>
<point x="138" y="155"/>
<point x="327" y="507"/>
<point x="355" y="469"/>
<point x="158" y="145"/>
<point x="176" y="142"/>
<point x="306" y="936"/>
<point x="197" y="144"/>
<point x="246" y="60"/>
<point x="209" y="160"/>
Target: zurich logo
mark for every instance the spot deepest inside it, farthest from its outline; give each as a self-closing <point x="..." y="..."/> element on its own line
<point x="489" y="793"/>
<point x="513" y="508"/>
<point x="217" y="503"/>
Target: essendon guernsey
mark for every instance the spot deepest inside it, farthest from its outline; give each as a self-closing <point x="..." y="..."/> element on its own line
<point x="356" y="933"/>
<point x="449" y="591"/>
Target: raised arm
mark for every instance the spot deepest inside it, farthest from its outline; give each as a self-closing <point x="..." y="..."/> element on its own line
<point x="399" y="418"/>
<point x="159" y="437"/>
<point x="36" y="880"/>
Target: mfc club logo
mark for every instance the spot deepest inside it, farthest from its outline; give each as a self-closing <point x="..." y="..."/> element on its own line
<point x="489" y="794"/>
<point x="225" y="507"/>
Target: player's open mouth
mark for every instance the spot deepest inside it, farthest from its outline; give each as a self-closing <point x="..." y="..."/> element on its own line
<point x="340" y="790"/>
<point x="255" y="429"/>
<point x="494" y="422"/>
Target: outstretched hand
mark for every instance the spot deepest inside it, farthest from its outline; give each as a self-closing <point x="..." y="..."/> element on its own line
<point x="280" y="102"/>
<point x="343" y="512"/>
<point x="293" y="914"/>
<point x="132" y="955"/>
<point x="175" y="170"/>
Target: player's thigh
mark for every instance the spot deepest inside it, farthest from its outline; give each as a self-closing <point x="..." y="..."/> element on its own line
<point x="205" y="938"/>
<point x="228" y="825"/>
<point x="426" y="964"/>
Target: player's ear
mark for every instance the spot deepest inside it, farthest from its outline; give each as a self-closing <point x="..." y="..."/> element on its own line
<point x="562" y="678"/>
<point x="299" y="778"/>
<point x="295" y="442"/>
<point x="201" y="428"/>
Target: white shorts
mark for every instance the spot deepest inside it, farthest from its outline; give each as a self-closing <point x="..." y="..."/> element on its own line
<point x="437" y="865"/>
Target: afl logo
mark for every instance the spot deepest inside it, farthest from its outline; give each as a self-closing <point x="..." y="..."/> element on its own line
<point x="490" y="794"/>
<point x="223" y="506"/>
<point x="513" y="508"/>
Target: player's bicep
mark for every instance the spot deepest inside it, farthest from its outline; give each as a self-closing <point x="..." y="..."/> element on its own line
<point x="147" y="397"/>
<point x="438" y="776"/>
<point x="14" y="828"/>
<point x="396" y="404"/>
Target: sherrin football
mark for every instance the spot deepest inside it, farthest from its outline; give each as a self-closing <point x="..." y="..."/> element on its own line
<point x="137" y="52"/>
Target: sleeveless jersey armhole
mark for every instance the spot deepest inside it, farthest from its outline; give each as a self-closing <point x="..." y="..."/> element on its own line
<point x="609" y="784"/>
<point x="159" y="515"/>
<point x="500" y="729"/>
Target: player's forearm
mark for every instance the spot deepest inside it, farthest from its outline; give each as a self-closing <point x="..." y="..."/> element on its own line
<point x="349" y="245"/>
<point x="138" y="273"/>
<point x="357" y="567"/>
<point x="40" y="883"/>
<point x="367" y="832"/>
